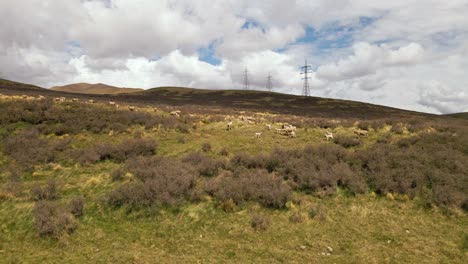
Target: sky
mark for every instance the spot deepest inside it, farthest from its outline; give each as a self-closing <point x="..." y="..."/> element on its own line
<point x="410" y="54"/>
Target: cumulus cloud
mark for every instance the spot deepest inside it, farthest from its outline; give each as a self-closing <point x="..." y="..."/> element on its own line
<point x="409" y="54"/>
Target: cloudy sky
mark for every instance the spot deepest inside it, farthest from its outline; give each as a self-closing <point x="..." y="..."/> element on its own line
<point x="411" y="54"/>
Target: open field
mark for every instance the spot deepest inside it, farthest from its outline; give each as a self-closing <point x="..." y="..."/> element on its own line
<point x="89" y="182"/>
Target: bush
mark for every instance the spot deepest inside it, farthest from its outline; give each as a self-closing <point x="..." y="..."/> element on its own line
<point x="206" y="147"/>
<point x="347" y="141"/>
<point x="260" y="222"/>
<point x="252" y="185"/>
<point x="205" y="165"/>
<point x="117" y="174"/>
<point x="296" y="217"/>
<point x="161" y="182"/>
<point x="76" y="206"/>
<point x="224" y="151"/>
<point x="47" y="192"/>
<point x="51" y="220"/>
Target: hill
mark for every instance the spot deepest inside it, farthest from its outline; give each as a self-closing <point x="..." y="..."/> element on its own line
<point x="459" y="115"/>
<point x="142" y="185"/>
<point x="7" y="85"/>
<point x="99" y="88"/>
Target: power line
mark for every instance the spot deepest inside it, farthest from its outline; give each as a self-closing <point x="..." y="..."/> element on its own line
<point x="246" y="79"/>
<point x="269" y="84"/>
<point x="306" y="71"/>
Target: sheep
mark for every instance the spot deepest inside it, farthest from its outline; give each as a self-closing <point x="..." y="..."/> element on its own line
<point x="175" y="113"/>
<point x="360" y="132"/>
<point x="131" y="108"/>
<point x="229" y="125"/>
<point x="292" y="134"/>
<point x="117" y="106"/>
<point x="268" y="126"/>
<point x="111" y="102"/>
<point x="75" y="99"/>
<point x="56" y="99"/>
<point x="329" y="135"/>
<point x="258" y="134"/>
<point x="41" y="97"/>
<point x="91" y="101"/>
<point x="25" y="96"/>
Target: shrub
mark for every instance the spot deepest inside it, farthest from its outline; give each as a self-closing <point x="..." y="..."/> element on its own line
<point x="27" y="148"/>
<point x="252" y="185"/>
<point x="296" y="217"/>
<point x="205" y="165"/>
<point x="260" y="222"/>
<point x="347" y="141"/>
<point x="47" y="192"/>
<point x="206" y="147"/>
<point x="397" y="128"/>
<point x="51" y="220"/>
<point x="318" y="212"/>
<point x="161" y="181"/>
<point x="76" y="206"/>
<point x="117" y="174"/>
<point x="224" y="151"/>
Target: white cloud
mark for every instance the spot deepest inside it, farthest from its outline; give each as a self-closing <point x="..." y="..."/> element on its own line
<point x="407" y="53"/>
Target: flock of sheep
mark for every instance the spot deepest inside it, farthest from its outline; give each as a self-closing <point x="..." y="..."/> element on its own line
<point x="286" y="129"/>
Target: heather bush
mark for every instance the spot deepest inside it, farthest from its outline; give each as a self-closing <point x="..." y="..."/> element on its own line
<point x="161" y="182"/>
<point x="251" y="185"/>
<point x="117" y="174"/>
<point x="205" y="165"/>
<point x="76" y="206"/>
<point x="51" y="220"/>
<point x="47" y="192"/>
<point x="260" y="222"/>
<point x="347" y="141"/>
<point x="206" y="147"/>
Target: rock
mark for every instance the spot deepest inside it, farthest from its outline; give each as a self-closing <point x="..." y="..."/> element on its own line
<point x="407" y="231"/>
<point x="303" y="247"/>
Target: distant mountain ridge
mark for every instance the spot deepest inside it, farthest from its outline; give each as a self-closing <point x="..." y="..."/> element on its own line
<point x="98" y="88"/>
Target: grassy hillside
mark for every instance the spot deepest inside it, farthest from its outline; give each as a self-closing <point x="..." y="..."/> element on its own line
<point x="90" y="182"/>
<point x="99" y="88"/>
<point x="459" y="115"/>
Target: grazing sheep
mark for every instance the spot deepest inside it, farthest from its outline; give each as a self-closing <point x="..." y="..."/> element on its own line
<point x="41" y="97"/>
<point x="229" y="125"/>
<point x="91" y="101"/>
<point x="283" y="126"/>
<point x="251" y="122"/>
<point x="268" y="126"/>
<point x="242" y="118"/>
<point x="25" y="96"/>
<point x="175" y="113"/>
<point x="56" y="99"/>
<point x="131" y="108"/>
<point x="360" y="133"/>
<point x="75" y="99"/>
<point x="292" y="134"/>
<point x="117" y="106"/>
<point x="111" y="102"/>
<point x="62" y="99"/>
<point x="258" y="134"/>
<point x="329" y="135"/>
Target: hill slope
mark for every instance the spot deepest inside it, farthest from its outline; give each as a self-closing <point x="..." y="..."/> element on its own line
<point x="267" y="102"/>
<point x="459" y="115"/>
<point x="99" y="88"/>
<point x="17" y="86"/>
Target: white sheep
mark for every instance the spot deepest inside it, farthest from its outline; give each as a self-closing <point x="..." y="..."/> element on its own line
<point x="329" y="135"/>
<point x="131" y="108"/>
<point x="292" y="134"/>
<point x="75" y="99"/>
<point x="229" y="125"/>
<point x="111" y="102"/>
<point x="258" y="134"/>
<point x="175" y="113"/>
<point x="91" y="101"/>
<point x="268" y="126"/>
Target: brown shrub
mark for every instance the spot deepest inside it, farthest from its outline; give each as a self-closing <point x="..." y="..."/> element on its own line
<point x="224" y="151"/>
<point x="161" y="181"/>
<point x="206" y="147"/>
<point x="51" y="220"/>
<point x="296" y="218"/>
<point x="117" y="174"/>
<point x="252" y="185"/>
<point x="76" y="206"/>
<point x="347" y="141"/>
<point x="205" y="165"/>
<point x="47" y="192"/>
<point x="260" y="222"/>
